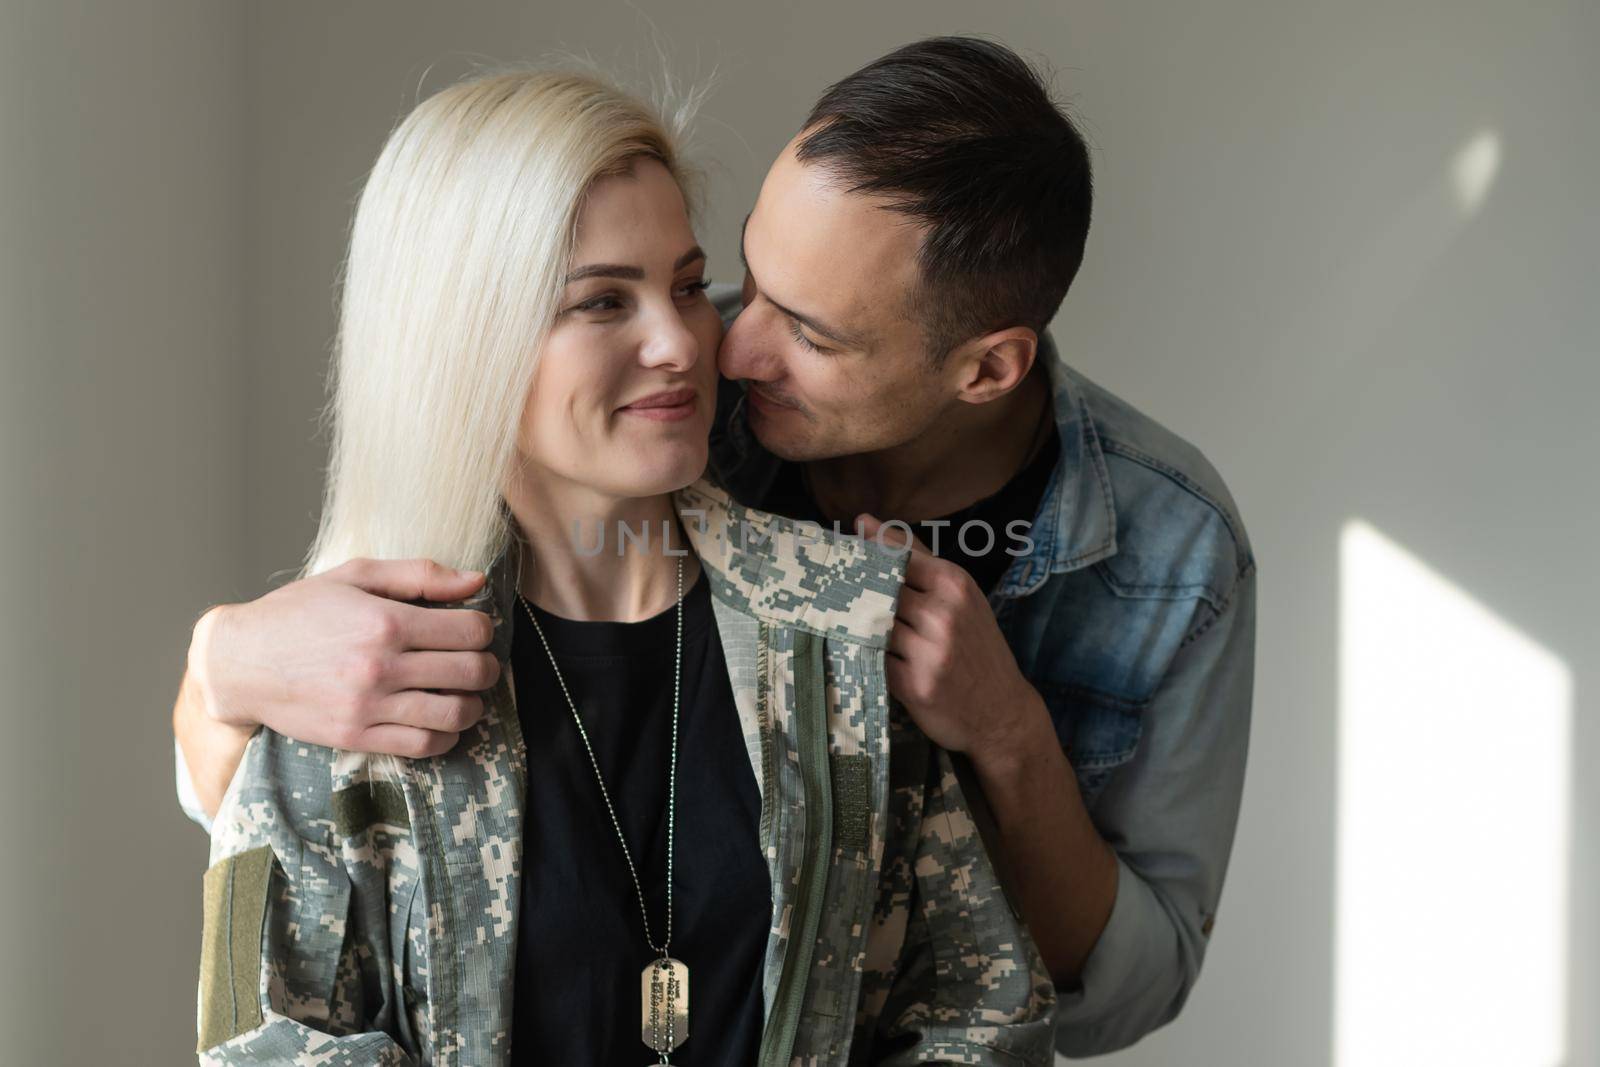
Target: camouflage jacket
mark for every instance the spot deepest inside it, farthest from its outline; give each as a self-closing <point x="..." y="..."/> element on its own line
<point x="352" y="918"/>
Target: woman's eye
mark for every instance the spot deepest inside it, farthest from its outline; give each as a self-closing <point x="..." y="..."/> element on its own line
<point x="600" y="303"/>
<point x="805" y="342"/>
<point x="695" y="288"/>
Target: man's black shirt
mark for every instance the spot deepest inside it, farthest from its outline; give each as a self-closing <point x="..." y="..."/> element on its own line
<point x="993" y="546"/>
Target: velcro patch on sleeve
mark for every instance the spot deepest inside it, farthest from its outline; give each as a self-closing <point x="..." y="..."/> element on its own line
<point x="357" y="808"/>
<point x="235" y="903"/>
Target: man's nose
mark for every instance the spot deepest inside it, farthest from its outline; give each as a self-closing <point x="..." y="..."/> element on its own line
<point x="744" y="352"/>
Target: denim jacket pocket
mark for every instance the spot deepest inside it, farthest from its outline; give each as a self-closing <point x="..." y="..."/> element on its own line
<point x="1098" y="732"/>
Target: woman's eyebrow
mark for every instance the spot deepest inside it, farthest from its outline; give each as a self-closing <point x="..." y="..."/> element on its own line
<point x="630" y="273"/>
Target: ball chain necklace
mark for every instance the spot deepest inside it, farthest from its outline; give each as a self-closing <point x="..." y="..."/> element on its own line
<point x="664" y="982"/>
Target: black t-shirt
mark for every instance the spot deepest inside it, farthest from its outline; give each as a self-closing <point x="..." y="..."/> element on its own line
<point x="581" y="946"/>
<point x="989" y="557"/>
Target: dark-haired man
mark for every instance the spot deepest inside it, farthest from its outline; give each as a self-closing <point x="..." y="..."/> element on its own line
<point x="1079" y="616"/>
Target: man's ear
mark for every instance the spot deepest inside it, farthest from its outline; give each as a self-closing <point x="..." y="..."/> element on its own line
<point x="991" y="366"/>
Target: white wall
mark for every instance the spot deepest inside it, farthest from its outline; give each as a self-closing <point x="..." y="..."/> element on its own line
<point x="121" y="504"/>
<point x="1286" y="267"/>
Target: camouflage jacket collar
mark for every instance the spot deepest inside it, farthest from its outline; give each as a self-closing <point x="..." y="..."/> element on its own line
<point x="787" y="573"/>
<point x="774" y="568"/>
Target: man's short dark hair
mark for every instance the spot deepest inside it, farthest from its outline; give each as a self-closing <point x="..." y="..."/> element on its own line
<point x="961" y="134"/>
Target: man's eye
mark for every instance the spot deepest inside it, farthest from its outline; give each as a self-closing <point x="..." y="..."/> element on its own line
<point x="806" y="342"/>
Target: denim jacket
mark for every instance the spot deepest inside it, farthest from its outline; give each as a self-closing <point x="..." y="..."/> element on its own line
<point x="1134" y="616"/>
<point x="354" y="918"/>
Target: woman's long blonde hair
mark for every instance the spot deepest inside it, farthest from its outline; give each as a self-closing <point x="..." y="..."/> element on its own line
<point x="460" y="244"/>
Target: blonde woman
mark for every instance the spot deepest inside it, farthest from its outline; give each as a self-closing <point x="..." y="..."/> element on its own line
<point x="688" y="824"/>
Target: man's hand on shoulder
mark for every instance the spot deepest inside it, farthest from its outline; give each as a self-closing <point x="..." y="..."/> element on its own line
<point x="339" y="659"/>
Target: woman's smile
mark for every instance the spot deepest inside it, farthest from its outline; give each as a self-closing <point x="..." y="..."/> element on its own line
<point x="670" y="406"/>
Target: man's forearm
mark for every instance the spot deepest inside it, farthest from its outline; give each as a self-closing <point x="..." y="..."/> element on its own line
<point x="211" y="749"/>
<point x="1062" y="871"/>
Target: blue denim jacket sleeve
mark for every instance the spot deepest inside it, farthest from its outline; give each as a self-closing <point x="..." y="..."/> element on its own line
<point x="1170" y="816"/>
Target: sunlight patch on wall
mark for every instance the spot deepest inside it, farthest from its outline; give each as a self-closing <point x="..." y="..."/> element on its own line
<point x="1453" y="824"/>
<point x="1474" y="169"/>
